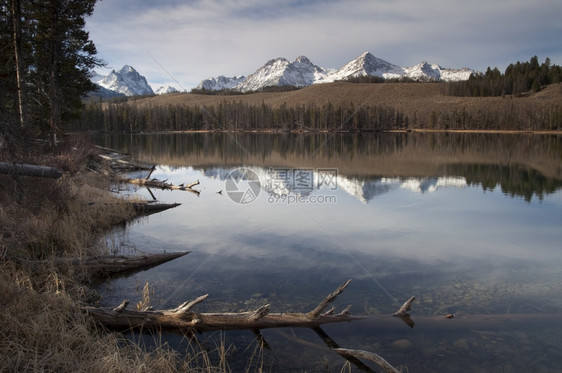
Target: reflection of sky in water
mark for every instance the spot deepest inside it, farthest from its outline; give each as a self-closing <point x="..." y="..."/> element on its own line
<point x="455" y="247"/>
<point x="447" y="223"/>
<point x="448" y="228"/>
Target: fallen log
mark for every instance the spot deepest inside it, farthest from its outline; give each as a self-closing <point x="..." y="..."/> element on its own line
<point x="182" y="319"/>
<point x="117" y="162"/>
<point x="145" y="208"/>
<point x="24" y="169"/>
<point x="141" y="207"/>
<point x="111" y="264"/>
<point x="162" y="184"/>
<point x="106" y="265"/>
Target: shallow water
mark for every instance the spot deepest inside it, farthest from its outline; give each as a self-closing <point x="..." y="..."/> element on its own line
<point x="469" y="224"/>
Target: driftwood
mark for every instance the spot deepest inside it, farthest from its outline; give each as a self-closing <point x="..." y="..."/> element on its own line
<point x="141" y="208"/>
<point x="29" y="170"/>
<point x="403" y="311"/>
<point x="182" y="319"/>
<point x="162" y="184"/>
<point x="117" y="161"/>
<point x="111" y="264"/>
<point x="107" y="265"/>
<point x="347" y="353"/>
<point x="145" y="208"/>
<point x="403" y="314"/>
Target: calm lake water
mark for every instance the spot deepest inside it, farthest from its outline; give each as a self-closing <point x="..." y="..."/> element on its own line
<point x="469" y="224"/>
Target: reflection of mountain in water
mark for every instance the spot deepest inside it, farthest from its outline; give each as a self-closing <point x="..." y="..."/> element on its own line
<point x="523" y="165"/>
<point x="366" y="190"/>
<point x="363" y="189"/>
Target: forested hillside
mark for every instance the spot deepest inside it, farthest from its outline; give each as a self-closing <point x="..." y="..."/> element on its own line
<point x="330" y="107"/>
<point x="518" y="79"/>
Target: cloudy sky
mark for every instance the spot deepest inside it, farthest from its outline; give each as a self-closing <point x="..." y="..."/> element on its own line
<point x="193" y="40"/>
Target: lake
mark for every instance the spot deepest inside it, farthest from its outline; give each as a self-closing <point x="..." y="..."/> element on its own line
<point x="469" y="224"/>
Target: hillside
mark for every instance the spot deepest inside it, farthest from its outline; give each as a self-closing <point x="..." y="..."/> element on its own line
<point x="418" y="101"/>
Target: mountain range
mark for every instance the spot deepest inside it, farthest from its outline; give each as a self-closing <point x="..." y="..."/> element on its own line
<point x="281" y="72"/>
<point x="125" y="82"/>
<point x="302" y="72"/>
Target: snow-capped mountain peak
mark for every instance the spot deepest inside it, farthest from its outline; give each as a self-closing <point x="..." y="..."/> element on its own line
<point x="425" y="71"/>
<point x="221" y="82"/>
<point x="165" y="89"/>
<point x="302" y="72"/>
<point x="126" y="69"/>
<point x="126" y="81"/>
<point x="369" y="65"/>
<point x="281" y="72"/>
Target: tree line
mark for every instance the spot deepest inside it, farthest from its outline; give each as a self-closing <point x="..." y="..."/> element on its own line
<point x="229" y="115"/>
<point x="45" y="59"/>
<point x="518" y="79"/>
<point x="239" y="116"/>
<point x="236" y="92"/>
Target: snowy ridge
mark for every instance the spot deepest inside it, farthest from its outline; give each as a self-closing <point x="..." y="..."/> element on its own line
<point x="165" y="89"/>
<point x="432" y="72"/>
<point x="126" y="81"/>
<point x="367" y="65"/>
<point x="221" y="82"/>
<point x="280" y="72"/>
<point x="302" y="72"/>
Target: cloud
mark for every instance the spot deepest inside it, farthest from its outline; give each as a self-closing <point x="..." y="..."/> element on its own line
<point x="197" y="39"/>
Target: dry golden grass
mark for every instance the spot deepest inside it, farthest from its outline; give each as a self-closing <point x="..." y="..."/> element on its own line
<point x="416" y="100"/>
<point x="43" y="330"/>
<point x="42" y="325"/>
<point x="60" y="217"/>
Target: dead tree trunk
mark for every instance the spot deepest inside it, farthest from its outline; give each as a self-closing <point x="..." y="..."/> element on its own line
<point x="111" y="264"/>
<point x="182" y="319"/>
<point x="162" y="184"/>
<point x="116" y="161"/>
<point x="107" y="265"/>
<point x="15" y="7"/>
<point x="145" y="208"/>
<point x="29" y="170"/>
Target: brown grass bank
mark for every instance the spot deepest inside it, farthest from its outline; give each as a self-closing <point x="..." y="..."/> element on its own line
<point x="426" y="105"/>
<point x="42" y="328"/>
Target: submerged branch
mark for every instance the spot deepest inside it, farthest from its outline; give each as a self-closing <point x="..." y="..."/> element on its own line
<point x="182" y="319"/>
<point x="369" y="356"/>
<point x="108" y="265"/>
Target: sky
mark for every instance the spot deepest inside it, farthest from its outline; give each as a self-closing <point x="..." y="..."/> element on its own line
<point x="181" y="42"/>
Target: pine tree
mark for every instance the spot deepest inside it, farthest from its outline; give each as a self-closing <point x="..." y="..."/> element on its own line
<point x="62" y="55"/>
<point x="46" y="59"/>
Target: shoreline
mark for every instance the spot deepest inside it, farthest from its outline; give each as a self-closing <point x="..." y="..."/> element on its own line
<point x="306" y="131"/>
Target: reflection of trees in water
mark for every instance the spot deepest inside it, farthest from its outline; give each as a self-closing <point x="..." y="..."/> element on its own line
<point x="523" y="165"/>
<point x="514" y="180"/>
